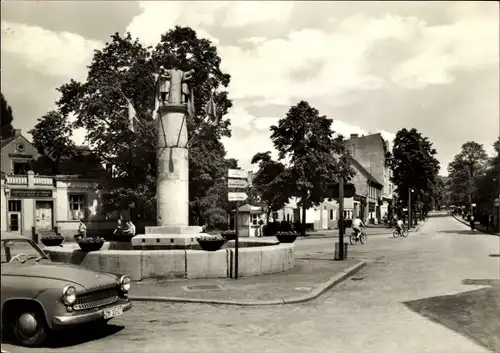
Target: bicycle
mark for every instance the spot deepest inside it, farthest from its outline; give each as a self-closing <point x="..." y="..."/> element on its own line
<point x="403" y="233"/>
<point x="362" y="238"/>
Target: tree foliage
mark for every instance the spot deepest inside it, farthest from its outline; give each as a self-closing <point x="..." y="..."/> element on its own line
<point x="271" y="182"/>
<point x="414" y="166"/>
<point x="6" y="118"/>
<point x="52" y="137"/>
<point x="316" y="159"/>
<point x="473" y="176"/>
<point x="465" y="170"/>
<point x="125" y="68"/>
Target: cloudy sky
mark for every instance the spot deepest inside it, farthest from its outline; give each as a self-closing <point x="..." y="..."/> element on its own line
<point x="370" y="66"/>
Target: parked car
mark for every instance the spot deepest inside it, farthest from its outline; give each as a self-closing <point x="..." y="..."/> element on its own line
<point x="40" y="296"/>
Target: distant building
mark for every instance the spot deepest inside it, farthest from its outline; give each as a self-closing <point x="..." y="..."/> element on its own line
<point x="32" y="202"/>
<point x="370" y="152"/>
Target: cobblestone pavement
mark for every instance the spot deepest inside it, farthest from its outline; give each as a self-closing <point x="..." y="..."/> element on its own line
<point x="395" y="304"/>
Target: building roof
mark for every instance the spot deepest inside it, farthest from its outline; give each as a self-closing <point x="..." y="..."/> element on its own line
<point x="5" y="142"/>
<point x="249" y="208"/>
<point x="366" y="173"/>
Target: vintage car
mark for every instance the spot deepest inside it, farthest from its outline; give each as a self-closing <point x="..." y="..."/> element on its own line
<point x="40" y="296"/>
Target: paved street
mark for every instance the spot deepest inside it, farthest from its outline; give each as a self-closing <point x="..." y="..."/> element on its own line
<point x="395" y="304"/>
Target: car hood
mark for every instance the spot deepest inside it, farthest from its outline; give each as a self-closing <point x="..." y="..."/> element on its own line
<point x="89" y="279"/>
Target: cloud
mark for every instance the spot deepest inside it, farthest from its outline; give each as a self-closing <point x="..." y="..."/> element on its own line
<point x="465" y="44"/>
<point x="252" y="134"/>
<point x="244" y="13"/>
<point x="374" y="68"/>
<point x="60" y="54"/>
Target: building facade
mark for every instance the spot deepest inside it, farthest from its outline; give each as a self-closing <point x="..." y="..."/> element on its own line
<point x="31" y="202"/>
<point x="370" y="152"/>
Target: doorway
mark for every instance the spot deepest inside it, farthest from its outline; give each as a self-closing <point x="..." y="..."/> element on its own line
<point x="14" y="216"/>
<point x="44" y="215"/>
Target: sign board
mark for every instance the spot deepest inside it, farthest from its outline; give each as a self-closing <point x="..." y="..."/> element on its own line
<point x="473" y="205"/>
<point x="237" y="183"/>
<point x="236" y="196"/>
<point x="237" y="173"/>
<point x="405" y="209"/>
<point x="30" y="193"/>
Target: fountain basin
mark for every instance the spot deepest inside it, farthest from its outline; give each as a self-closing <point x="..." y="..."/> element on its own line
<point x="256" y="257"/>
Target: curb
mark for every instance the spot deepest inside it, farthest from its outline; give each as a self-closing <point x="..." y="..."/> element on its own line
<point x="478" y="229"/>
<point x="340" y="277"/>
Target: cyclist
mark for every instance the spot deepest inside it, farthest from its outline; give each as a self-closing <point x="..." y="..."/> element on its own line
<point x="357" y="224"/>
<point x="399" y="226"/>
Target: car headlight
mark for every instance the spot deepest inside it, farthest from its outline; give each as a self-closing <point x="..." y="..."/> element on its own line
<point x="125" y="283"/>
<point x="69" y="295"/>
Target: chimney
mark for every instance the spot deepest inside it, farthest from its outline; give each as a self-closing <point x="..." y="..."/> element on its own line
<point x="353" y="136"/>
<point x="17" y="132"/>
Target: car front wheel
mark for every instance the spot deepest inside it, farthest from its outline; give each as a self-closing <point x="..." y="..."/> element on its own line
<point x="30" y="328"/>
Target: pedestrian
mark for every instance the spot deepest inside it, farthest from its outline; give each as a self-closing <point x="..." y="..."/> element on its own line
<point x="471" y="220"/>
<point x="129" y="229"/>
<point x="82" y="230"/>
<point x="118" y="230"/>
<point x="261" y="227"/>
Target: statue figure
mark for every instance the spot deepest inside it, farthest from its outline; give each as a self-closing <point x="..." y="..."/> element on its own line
<point x="163" y="85"/>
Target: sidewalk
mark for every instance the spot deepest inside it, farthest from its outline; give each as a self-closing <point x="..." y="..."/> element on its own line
<point x="306" y="281"/>
<point x="478" y="226"/>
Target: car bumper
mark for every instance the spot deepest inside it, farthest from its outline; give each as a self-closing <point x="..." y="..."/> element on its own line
<point x="77" y="319"/>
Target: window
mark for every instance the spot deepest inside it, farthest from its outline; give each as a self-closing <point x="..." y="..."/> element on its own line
<point x="20" y="167"/>
<point x="14" y="205"/>
<point x="275" y="216"/>
<point x="331" y="215"/>
<point x="76" y="207"/>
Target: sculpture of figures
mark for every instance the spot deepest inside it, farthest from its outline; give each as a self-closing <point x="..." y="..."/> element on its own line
<point x="163" y="85"/>
<point x="185" y="88"/>
<point x="172" y="87"/>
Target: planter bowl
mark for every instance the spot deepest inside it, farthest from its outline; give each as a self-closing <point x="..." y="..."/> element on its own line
<point x="211" y="245"/>
<point x="286" y="237"/>
<point x="52" y="241"/>
<point x="90" y="246"/>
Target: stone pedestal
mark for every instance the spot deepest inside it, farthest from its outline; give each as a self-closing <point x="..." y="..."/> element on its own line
<point x="167" y="237"/>
<point x="172" y="184"/>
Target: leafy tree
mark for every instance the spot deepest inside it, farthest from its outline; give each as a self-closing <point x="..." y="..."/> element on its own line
<point x="439" y="192"/>
<point x="414" y="166"/>
<point x="52" y="138"/>
<point x="270" y="182"/>
<point x="126" y="68"/>
<point x="305" y="139"/>
<point x="465" y="170"/>
<point x="486" y="182"/>
<point x="6" y="117"/>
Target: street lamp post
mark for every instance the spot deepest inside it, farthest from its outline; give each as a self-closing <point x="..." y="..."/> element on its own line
<point x="410" y="218"/>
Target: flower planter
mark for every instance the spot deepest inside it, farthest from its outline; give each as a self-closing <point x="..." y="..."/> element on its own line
<point x="52" y="241"/>
<point x="90" y="244"/>
<point x="286" y="237"/>
<point x="211" y="245"/>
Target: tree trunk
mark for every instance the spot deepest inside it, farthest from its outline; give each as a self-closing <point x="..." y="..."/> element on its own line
<point x="303" y="227"/>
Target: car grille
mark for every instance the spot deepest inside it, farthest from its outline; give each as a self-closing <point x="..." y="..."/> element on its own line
<point x="96" y="299"/>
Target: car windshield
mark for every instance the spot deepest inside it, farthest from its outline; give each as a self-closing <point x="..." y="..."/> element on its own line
<point x="20" y="250"/>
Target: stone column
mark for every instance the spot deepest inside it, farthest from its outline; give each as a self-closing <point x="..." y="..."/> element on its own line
<point x="172" y="188"/>
<point x="172" y="156"/>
